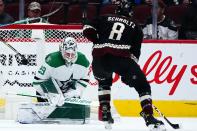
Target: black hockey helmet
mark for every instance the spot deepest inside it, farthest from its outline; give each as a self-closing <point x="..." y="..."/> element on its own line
<point x="124" y="8"/>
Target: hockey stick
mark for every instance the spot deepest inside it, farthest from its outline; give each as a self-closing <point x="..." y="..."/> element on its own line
<point x="67" y="100"/>
<point x="24" y="61"/>
<point x="86" y="80"/>
<point x="83" y="84"/>
<point x="175" y="126"/>
<point x="33" y="19"/>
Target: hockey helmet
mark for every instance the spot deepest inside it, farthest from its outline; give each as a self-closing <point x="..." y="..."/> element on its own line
<point x="68" y="49"/>
<point x="124" y="8"/>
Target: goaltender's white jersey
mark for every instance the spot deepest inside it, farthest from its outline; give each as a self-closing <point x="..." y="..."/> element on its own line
<point x="55" y="67"/>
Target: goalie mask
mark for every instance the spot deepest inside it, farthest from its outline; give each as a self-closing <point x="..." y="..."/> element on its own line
<point x="68" y="49"/>
<point x="124" y="8"/>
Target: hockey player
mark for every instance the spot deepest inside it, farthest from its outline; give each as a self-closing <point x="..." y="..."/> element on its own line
<point x="116" y="48"/>
<point x="67" y="66"/>
<point x="61" y="76"/>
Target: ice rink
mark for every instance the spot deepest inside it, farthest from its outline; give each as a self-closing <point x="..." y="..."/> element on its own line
<point x="123" y="124"/>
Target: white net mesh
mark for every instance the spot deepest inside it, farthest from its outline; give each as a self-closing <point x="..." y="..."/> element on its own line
<point x="52" y="33"/>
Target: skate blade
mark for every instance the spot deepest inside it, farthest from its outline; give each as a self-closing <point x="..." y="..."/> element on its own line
<point x="108" y="126"/>
<point x="153" y="127"/>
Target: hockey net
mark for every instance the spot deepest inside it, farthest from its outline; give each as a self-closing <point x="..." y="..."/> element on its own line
<point x="34" y="41"/>
<point x="30" y="40"/>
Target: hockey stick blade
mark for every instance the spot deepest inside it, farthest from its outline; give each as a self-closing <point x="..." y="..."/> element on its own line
<point x="174" y="126"/>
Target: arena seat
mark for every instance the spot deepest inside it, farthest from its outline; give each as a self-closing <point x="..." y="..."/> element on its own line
<point x="108" y="9"/>
<point x="75" y="13"/>
<point x="13" y="10"/>
<point x="141" y="13"/>
<point x="91" y="11"/>
<point x="176" y="13"/>
<point x="93" y="1"/>
<point x="58" y="17"/>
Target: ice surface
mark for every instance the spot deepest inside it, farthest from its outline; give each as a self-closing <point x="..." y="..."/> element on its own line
<point x="124" y="124"/>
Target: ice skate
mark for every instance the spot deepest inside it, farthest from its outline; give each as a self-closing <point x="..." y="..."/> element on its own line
<point x="105" y="116"/>
<point x="152" y="123"/>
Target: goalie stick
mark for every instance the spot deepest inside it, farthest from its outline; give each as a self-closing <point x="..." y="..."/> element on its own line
<point x="175" y="126"/>
<point x="85" y="80"/>
<point x="24" y="61"/>
<point x="67" y="100"/>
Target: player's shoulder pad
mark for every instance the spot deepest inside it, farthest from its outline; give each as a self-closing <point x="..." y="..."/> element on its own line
<point x="54" y="59"/>
<point x="82" y="60"/>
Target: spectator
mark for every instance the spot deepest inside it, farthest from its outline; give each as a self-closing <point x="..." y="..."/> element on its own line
<point x="177" y="2"/>
<point x="133" y="2"/>
<point x="165" y="26"/>
<point x="34" y="11"/>
<point x="138" y="2"/>
<point x="168" y="2"/>
<point x="105" y="2"/>
<point x="188" y="29"/>
<point x="4" y="17"/>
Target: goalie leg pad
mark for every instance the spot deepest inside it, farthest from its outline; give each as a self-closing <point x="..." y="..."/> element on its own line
<point x="33" y="113"/>
<point x="43" y="112"/>
<point x="27" y="116"/>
